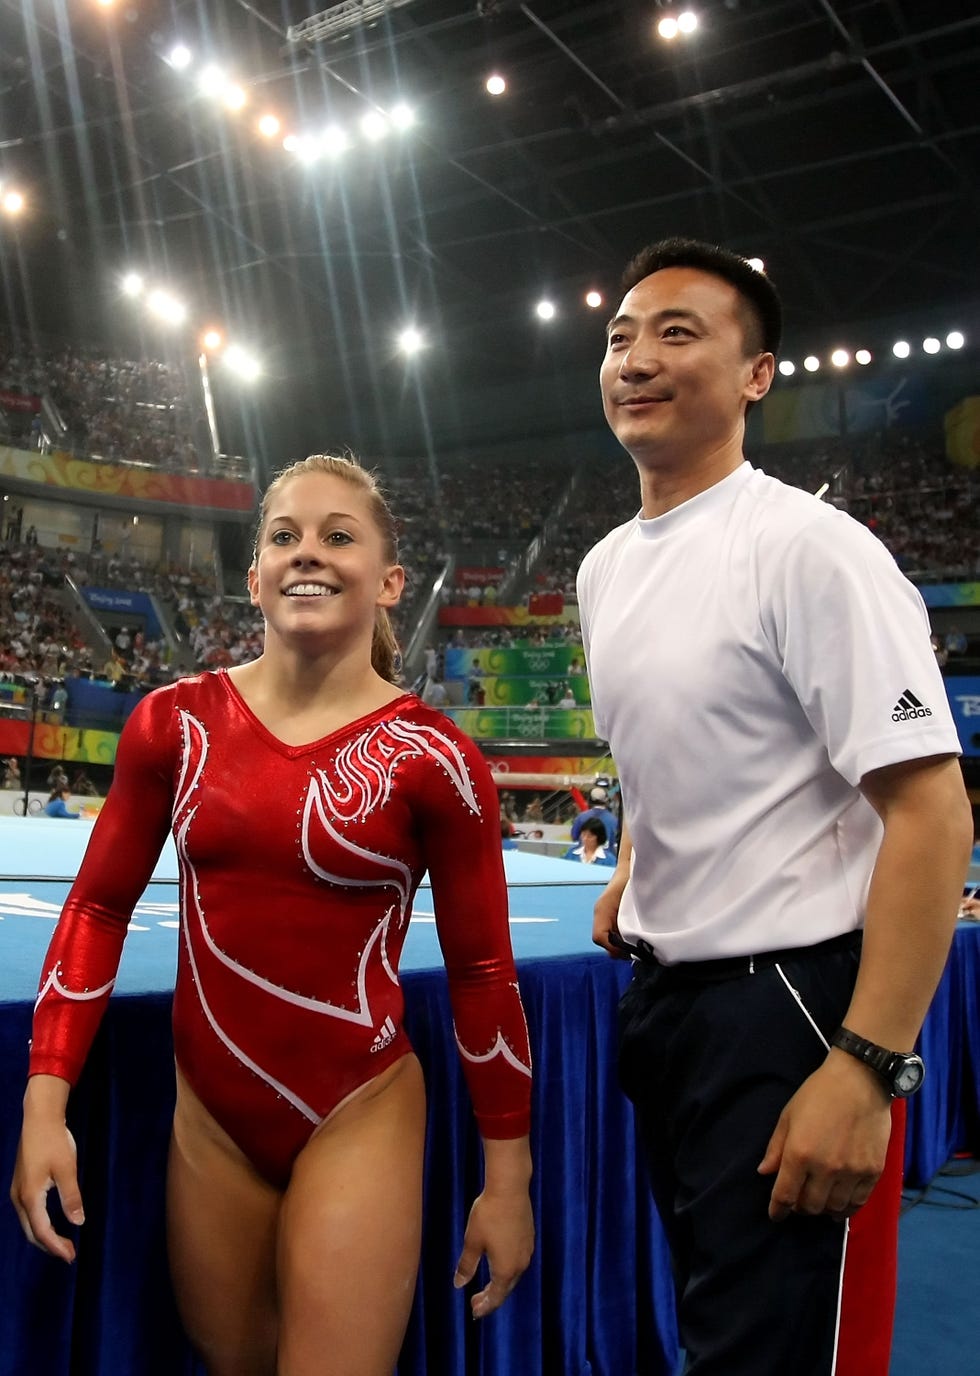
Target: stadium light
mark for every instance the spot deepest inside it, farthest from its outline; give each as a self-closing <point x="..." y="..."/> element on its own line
<point x="132" y="284"/>
<point x="931" y="345"/>
<point x="166" y="307"/>
<point x="334" y="140"/>
<point x="863" y="356"/>
<point x="402" y="116"/>
<point x="496" y="85"/>
<point x="545" y="310"/>
<point x="246" y="365"/>
<point x="269" y="126"/>
<point x="13" y="202"/>
<point x="668" y="28"/>
<point x="840" y="358"/>
<point x="212" y="81"/>
<point x="901" y="348"/>
<point x="235" y="97"/>
<point x="811" y="363"/>
<point x="374" y="126"/>
<point x="955" y="340"/>
<point x="180" y="57"/>
<point x="687" y="22"/>
<point x="787" y="367"/>
<point x="211" y="340"/>
<point x="593" y="299"/>
<point x="411" y="340"/>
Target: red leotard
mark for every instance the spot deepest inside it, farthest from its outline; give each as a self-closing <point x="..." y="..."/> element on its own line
<point x="298" y="867"/>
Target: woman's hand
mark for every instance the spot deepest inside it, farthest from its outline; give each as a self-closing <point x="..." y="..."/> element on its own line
<point x="501" y="1228"/>
<point x="46" y="1159"/>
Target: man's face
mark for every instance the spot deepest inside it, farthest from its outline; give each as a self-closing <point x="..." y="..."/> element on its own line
<point x="676" y="376"/>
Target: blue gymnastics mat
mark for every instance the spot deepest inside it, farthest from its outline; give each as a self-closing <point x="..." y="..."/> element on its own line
<point x="551" y="905"/>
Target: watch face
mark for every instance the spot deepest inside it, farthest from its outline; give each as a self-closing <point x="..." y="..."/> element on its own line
<point x="908" y="1077"/>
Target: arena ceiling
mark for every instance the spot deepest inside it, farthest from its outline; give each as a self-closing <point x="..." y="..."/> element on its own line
<point x="839" y="140"/>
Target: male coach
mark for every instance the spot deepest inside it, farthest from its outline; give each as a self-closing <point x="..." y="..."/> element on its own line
<point x="796" y="835"/>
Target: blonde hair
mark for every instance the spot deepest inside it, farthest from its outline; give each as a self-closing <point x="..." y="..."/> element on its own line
<point x="386" y="658"/>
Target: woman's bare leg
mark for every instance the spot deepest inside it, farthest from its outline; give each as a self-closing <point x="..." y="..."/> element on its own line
<point x="350" y="1230"/>
<point x="222" y="1219"/>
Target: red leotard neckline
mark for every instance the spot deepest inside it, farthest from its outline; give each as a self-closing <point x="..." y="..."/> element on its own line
<point x="292" y="752"/>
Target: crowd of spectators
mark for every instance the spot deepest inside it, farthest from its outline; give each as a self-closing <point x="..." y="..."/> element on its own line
<point x="900" y="486"/>
<point x="121" y="410"/>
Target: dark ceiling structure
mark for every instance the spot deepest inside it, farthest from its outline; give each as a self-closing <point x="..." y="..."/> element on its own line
<point x="838" y="140"/>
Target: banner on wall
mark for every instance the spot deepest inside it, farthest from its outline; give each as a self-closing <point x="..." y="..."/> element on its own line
<point x="560" y="658"/>
<point x="58" y="742"/>
<point x="962" y="426"/>
<point x="18" y="401"/>
<point x="142" y="485"/>
<point x="503" y="616"/>
<point x="950" y="594"/>
<point x="118" y="601"/>
<point x="964" y="699"/>
<point x="471" y="577"/>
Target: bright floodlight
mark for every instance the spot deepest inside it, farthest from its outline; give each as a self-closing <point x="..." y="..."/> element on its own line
<point x="242" y="363"/>
<point x="756" y="263"/>
<point x="787" y="367"/>
<point x="840" y="358"/>
<point x="593" y="299"/>
<point x="307" y="149"/>
<point x="269" y="126"/>
<point x="411" y="340"/>
<point x="235" y="97"/>
<point x="687" y="22"/>
<point x="374" y="126"/>
<point x="167" y="307"/>
<point x="668" y="28"/>
<point x="496" y="85"/>
<point x="211" y="339"/>
<point x="290" y="143"/>
<point x="334" y="140"/>
<point x="212" y="81"/>
<point x="132" y="284"/>
<point x="180" y="57"/>
<point x="863" y="356"/>
<point x="545" y="310"/>
<point x="13" y="202"/>
<point x="931" y="345"/>
<point x="901" y="348"/>
<point x="811" y="364"/>
<point x="402" y="116"/>
<point x="955" y="340"/>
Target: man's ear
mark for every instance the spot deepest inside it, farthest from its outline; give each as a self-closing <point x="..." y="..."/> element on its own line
<point x="760" y="380"/>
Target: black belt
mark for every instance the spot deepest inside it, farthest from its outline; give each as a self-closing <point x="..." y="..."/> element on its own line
<point x="732" y="967"/>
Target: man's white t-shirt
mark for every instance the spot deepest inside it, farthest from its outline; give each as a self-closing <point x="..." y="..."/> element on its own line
<point x="753" y="654"/>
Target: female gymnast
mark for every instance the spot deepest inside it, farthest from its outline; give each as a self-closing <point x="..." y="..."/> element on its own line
<point x="307" y="795"/>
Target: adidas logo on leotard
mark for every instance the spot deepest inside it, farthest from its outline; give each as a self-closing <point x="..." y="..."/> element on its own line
<point x="386" y="1036"/>
<point x="908" y="707"/>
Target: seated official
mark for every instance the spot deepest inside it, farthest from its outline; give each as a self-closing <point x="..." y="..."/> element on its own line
<point x="592" y="847"/>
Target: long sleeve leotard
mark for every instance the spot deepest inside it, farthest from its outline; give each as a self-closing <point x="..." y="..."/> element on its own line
<point x="298" y="868"/>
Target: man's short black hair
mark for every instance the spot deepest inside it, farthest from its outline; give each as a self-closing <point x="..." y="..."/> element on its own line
<point x="764" y="312"/>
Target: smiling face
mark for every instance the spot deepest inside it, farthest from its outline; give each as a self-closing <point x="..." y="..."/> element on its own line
<point x="322" y="566"/>
<point x="680" y="367"/>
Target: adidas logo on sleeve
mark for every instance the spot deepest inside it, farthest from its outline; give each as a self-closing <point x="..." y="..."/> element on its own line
<point x="909" y="707"/>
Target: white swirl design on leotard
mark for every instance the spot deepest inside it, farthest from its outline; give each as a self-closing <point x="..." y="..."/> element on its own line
<point x="364" y="773"/>
<point x="500" y="1047"/>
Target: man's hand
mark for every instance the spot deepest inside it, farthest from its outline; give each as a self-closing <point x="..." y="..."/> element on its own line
<point x="829" y="1146"/>
<point x="605" y="932"/>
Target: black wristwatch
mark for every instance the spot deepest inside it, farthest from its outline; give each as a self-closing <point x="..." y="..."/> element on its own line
<point x="901" y="1071"/>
